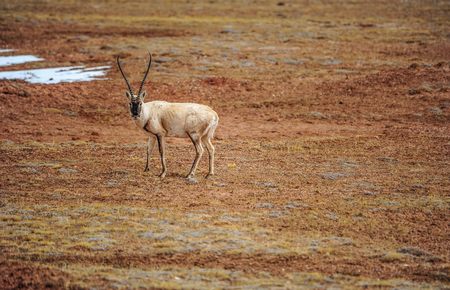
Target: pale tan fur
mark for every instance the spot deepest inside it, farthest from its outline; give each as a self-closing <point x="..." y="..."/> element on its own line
<point x="163" y="119"/>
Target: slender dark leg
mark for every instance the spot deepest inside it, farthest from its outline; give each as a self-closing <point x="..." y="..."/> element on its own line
<point x="150" y="146"/>
<point x="162" y="154"/>
<point x="211" y="151"/>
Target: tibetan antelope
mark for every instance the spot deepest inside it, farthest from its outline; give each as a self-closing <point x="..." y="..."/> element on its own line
<point x="161" y="119"/>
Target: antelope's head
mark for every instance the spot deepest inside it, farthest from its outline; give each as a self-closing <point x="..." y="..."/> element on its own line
<point x="135" y="101"/>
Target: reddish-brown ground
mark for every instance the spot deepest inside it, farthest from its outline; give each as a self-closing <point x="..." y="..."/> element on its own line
<point x="333" y="147"/>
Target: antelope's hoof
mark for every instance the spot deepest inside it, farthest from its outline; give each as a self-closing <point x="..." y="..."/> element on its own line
<point x="210" y="175"/>
<point x="191" y="180"/>
<point x="162" y="175"/>
<point x="146" y="169"/>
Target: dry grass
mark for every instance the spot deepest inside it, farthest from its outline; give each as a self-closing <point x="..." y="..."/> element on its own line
<point x="332" y="152"/>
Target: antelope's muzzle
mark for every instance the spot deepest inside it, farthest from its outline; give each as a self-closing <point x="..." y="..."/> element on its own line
<point x="135" y="109"/>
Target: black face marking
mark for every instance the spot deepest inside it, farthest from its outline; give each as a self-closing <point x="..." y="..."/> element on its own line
<point x="135" y="108"/>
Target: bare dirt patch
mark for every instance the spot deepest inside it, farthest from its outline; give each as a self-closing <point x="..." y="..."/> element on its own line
<point x="332" y="148"/>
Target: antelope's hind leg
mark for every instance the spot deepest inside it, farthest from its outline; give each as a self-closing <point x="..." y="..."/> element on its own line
<point x="150" y="145"/>
<point x="211" y="150"/>
<point x="195" y="138"/>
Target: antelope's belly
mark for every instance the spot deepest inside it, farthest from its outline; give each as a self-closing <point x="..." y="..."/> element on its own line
<point x="175" y="131"/>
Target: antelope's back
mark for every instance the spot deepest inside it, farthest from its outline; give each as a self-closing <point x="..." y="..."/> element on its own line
<point x="179" y="118"/>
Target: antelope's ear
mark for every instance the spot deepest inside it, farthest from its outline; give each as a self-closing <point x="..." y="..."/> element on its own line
<point x="128" y="95"/>
<point x="143" y="95"/>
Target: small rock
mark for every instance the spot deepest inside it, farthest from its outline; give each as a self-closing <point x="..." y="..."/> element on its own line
<point x="318" y="115"/>
<point x="148" y="235"/>
<point x="291" y="205"/>
<point x="264" y="205"/>
<point x="418" y="187"/>
<point x="331" y="61"/>
<point x="247" y="63"/>
<point x="32" y="170"/>
<point x="228" y="30"/>
<point x="413" y="92"/>
<point x="266" y="184"/>
<point x="370" y="193"/>
<point x="436" y="111"/>
<point x="358" y="217"/>
<point x="70" y="113"/>
<point x="163" y="59"/>
<point x="276" y="214"/>
<point x="67" y="170"/>
<point x="56" y="195"/>
<point x="112" y="183"/>
<point x="332" y="175"/>
<point x="332" y="216"/>
<point x="376" y="209"/>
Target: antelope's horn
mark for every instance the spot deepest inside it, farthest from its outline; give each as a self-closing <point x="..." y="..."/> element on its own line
<point x="146" y="73"/>
<point x="124" y="77"/>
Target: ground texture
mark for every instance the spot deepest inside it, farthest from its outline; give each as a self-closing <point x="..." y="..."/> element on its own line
<point x="333" y="148"/>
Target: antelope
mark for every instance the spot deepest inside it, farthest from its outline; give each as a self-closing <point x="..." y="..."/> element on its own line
<point x="160" y="119"/>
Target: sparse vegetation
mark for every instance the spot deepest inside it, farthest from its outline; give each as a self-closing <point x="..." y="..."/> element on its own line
<point x="332" y="152"/>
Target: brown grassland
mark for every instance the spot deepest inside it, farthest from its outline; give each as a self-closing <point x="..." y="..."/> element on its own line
<point x="333" y="147"/>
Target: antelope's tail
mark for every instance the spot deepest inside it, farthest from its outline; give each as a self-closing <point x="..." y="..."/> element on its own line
<point x="211" y="129"/>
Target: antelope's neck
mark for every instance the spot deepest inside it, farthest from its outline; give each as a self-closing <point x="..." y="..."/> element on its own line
<point x="143" y="118"/>
<point x="140" y="122"/>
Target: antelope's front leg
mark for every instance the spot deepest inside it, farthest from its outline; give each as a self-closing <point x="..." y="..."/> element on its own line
<point x="150" y="146"/>
<point x="160" y="139"/>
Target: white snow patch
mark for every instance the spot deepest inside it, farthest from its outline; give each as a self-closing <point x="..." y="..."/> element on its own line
<point x="17" y="59"/>
<point x="57" y="75"/>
